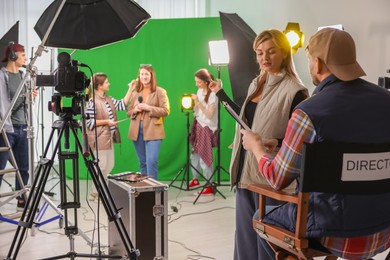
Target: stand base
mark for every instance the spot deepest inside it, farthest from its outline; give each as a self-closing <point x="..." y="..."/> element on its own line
<point x="73" y="255"/>
<point x="218" y="170"/>
<point x="185" y="171"/>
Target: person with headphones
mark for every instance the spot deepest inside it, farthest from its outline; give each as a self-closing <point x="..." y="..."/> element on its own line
<point x="10" y="78"/>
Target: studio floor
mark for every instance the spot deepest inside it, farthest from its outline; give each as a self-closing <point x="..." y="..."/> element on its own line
<point x="204" y="230"/>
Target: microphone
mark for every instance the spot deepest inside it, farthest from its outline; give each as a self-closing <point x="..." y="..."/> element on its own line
<point x="140" y="99"/>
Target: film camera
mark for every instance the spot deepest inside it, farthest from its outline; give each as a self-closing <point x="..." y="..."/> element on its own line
<point x="68" y="82"/>
<point x="384" y="82"/>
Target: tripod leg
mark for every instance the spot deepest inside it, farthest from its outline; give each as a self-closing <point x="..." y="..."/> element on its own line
<point x="108" y="201"/>
<point x="210" y="183"/>
<point x="27" y="218"/>
<point x="177" y="176"/>
<point x="110" y="207"/>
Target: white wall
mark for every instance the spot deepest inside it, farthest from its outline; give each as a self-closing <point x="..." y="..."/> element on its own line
<point x="367" y="21"/>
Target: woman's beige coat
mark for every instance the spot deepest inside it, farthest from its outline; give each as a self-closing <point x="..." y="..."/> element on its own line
<point x="153" y="121"/>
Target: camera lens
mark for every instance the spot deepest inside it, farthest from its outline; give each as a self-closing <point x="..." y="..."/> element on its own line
<point x="63" y="58"/>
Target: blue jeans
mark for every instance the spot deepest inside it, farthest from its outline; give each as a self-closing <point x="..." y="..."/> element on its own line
<point x="199" y="165"/>
<point x="247" y="244"/>
<point x="265" y="249"/>
<point x="147" y="152"/>
<point x="19" y="146"/>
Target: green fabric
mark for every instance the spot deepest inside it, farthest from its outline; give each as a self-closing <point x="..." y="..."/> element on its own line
<point x="176" y="48"/>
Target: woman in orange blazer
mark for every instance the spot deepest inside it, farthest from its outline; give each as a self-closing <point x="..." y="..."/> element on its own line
<point x="149" y="106"/>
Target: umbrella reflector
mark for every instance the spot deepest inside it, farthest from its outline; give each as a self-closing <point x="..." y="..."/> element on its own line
<point x="86" y="24"/>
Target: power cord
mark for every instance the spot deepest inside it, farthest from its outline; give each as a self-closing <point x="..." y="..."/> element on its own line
<point x="197" y="255"/>
<point x="199" y="213"/>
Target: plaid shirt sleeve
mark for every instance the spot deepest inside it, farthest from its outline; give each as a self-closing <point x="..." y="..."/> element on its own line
<point x="285" y="167"/>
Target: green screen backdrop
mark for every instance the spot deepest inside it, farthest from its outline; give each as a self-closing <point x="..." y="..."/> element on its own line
<point x="176" y="48"/>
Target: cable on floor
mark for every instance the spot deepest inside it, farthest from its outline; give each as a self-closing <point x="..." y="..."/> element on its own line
<point x="199" y="213"/>
<point x="192" y="257"/>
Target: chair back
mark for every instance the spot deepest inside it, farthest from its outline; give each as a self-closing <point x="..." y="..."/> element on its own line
<point x="346" y="168"/>
<point x="328" y="167"/>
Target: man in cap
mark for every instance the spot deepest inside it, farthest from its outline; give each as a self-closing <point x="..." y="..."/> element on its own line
<point x="15" y="126"/>
<point x="344" y="108"/>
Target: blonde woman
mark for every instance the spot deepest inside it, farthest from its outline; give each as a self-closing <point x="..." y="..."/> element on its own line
<point x="267" y="108"/>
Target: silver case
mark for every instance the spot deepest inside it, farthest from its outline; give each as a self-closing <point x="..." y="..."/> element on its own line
<point x="144" y="212"/>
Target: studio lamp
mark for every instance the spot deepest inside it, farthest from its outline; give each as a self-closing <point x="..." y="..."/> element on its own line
<point x="218" y="54"/>
<point x="187" y="103"/>
<point x="294" y="36"/>
<point x="335" y="26"/>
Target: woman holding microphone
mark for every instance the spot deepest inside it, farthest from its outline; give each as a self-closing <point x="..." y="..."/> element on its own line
<point x="149" y="105"/>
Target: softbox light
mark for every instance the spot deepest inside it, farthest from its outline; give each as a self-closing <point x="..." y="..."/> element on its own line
<point x="243" y="67"/>
<point x="11" y="35"/>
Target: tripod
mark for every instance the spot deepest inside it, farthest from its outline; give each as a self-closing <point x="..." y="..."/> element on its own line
<point x="63" y="127"/>
<point x="185" y="170"/>
<point x="42" y="125"/>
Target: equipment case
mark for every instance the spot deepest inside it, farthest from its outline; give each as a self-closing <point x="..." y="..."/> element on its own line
<point x="143" y="209"/>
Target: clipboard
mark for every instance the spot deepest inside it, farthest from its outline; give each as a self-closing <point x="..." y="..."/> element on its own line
<point x="235" y="116"/>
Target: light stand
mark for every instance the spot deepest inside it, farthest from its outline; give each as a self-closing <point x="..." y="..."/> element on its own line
<point x="219" y="56"/>
<point x="30" y="73"/>
<point x="65" y="125"/>
<point x="187" y="106"/>
<point x="218" y="168"/>
<point x="185" y="170"/>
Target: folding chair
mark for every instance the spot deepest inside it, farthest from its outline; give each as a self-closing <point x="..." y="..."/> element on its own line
<point x="322" y="171"/>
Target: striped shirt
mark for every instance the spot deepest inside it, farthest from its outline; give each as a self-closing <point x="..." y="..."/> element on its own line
<point x="285" y="167"/>
<point x="119" y="105"/>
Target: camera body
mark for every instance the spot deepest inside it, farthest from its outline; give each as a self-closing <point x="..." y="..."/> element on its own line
<point x="68" y="82"/>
